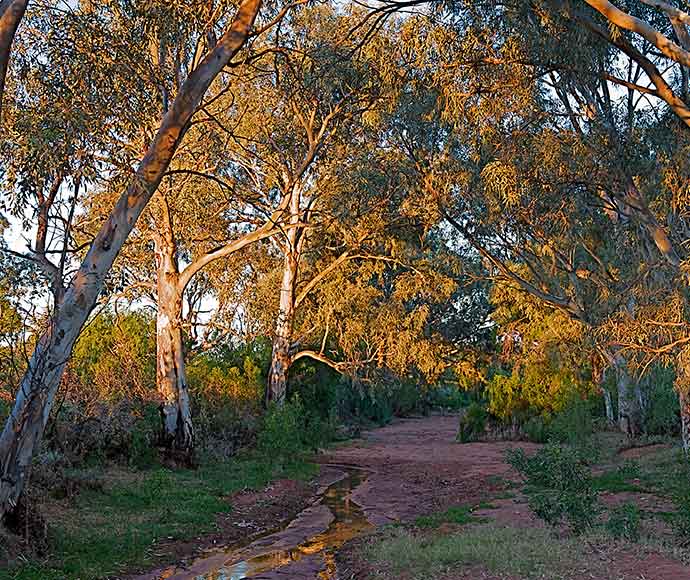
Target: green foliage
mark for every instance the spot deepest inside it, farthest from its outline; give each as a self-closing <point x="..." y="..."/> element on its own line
<point x="281" y="436"/>
<point x="142" y="453"/>
<point x="461" y="514"/>
<point x="573" y="424"/>
<point x="536" y="388"/>
<point x="625" y="522"/>
<point x="226" y="390"/>
<point x="115" y="358"/>
<point x="559" y="485"/>
<point x="681" y="519"/>
<point x="447" y="398"/>
<point x="536" y="429"/>
<point x="358" y="404"/>
<point x="472" y="423"/>
<point x="617" y="480"/>
<point x="290" y="430"/>
<point x="661" y="415"/>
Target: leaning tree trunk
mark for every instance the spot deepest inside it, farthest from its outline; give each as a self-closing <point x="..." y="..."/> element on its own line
<point x="281" y="359"/>
<point x="177" y="435"/>
<point x="629" y="412"/>
<point x="11" y="14"/>
<point x="39" y="385"/>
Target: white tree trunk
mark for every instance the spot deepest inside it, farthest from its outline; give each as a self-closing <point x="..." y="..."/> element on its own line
<point x="684" y="400"/>
<point x="276" y="388"/>
<point x="39" y="385"/>
<point x="608" y="403"/>
<point x="682" y="386"/>
<point x="177" y="434"/>
<point x="629" y="412"/>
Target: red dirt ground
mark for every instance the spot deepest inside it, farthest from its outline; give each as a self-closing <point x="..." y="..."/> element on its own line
<point x="420" y="469"/>
<point x="416" y="468"/>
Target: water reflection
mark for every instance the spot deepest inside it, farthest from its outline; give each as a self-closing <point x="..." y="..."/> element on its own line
<point x="349" y="522"/>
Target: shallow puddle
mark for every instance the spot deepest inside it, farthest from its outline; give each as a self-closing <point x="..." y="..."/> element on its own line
<point x="348" y="522"/>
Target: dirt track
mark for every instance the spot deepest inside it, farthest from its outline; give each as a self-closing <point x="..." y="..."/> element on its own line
<point x="414" y="467"/>
<point x="419" y="468"/>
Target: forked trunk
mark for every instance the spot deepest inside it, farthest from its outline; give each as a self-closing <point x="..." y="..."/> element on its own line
<point x="177" y="435"/>
<point x="281" y="359"/>
<point x="39" y="385"/>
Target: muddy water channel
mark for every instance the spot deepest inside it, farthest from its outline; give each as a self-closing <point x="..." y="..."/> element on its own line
<point x="305" y="548"/>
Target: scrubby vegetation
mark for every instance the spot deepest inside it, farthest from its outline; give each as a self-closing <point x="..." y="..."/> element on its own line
<point x="233" y="233"/>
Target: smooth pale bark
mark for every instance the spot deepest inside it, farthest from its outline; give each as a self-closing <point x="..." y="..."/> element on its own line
<point x="36" y="394"/>
<point x="177" y="434"/>
<point x="629" y="411"/>
<point x="276" y="388"/>
<point x="682" y="386"/>
<point x="624" y="20"/>
<point x="11" y="14"/>
<point x="684" y="400"/>
<point x="608" y="401"/>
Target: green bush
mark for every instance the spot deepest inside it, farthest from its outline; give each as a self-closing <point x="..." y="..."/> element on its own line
<point x="360" y="405"/>
<point x="536" y="429"/>
<point x="281" y="436"/>
<point x="447" y="398"/>
<point x="472" y="423"/>
<point x="558" y="485"/>
<point x="661" y="414"/>
<point x="624" y="522"/>
<point x="681" y="519"/>
<point x="630" y="469"/>
<point x="574" y="424"/>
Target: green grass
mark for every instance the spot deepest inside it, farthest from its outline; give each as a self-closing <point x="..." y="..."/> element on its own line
<point x="614" y="481"/>
<point x="461" y="514"/>
<point x="105" y="532"/>
<point x="528" y="553"/>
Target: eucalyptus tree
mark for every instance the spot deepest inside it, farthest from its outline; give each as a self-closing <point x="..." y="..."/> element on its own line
<point x="304" y="105"/>
<point x="644" y="45"/>
<point x="372" y="276"/>
<point x="36" y="394"/>
<point x="534" y="166"/>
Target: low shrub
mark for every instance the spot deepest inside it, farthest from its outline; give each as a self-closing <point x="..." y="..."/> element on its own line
<point x="572" y="425"/>
<point x="290" y="430"/>
<point x="624" y="522"/>
<point x="472" y="423"/>
<point x="661" y="415"/>
<point x="681" y="519"/>
<point x="558" y="485"/>
<point x="281" y="435"/>
<point x="536" y="429"/>
<point x="447" y="398"/>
